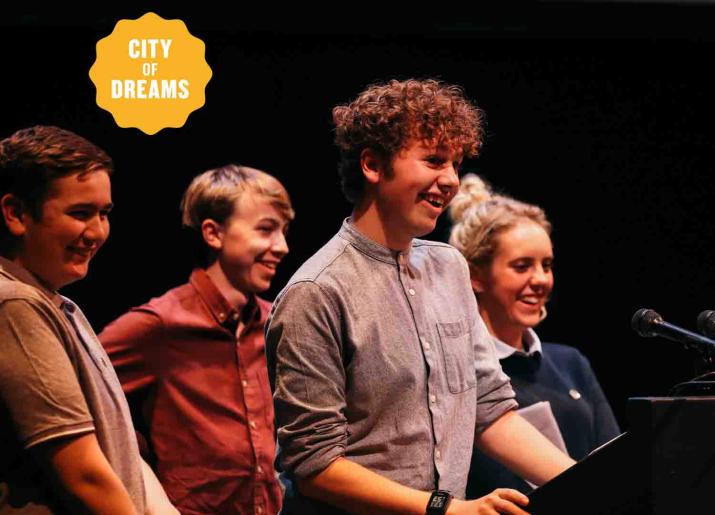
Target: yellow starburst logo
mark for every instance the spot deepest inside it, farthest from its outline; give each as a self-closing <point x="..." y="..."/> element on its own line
<point x="150" y="73"/>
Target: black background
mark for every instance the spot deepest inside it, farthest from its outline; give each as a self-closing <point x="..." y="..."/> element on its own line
<point x="602" y="113"/>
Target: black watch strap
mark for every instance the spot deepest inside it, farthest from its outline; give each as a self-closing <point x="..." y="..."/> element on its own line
<point x="438" y="502"/>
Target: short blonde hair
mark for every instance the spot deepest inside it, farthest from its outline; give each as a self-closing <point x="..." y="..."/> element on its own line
<point x="480" y="216"/>
<point x="213" y="194"/>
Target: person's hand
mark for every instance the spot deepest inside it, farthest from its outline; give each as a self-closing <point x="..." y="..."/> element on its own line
<point x="501" y="500"/>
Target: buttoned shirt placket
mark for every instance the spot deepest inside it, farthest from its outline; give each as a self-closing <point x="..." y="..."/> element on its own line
<point x="414" y="293"/>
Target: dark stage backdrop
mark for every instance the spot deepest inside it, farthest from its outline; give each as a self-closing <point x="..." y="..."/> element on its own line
<point x="601" y="113"/>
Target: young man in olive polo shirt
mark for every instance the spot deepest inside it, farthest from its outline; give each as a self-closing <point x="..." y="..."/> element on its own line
<point x="67" y="444"/>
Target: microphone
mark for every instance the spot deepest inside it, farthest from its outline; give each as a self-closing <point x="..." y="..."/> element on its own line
<point x="706" y="323"/>
<point x="648" y="323"/>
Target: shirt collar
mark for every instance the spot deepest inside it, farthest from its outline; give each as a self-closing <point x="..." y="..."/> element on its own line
<point x="18" y="273"/>
<point x="369" y="247"/>
<point x="532" y="344"/>
<point x="220" y="308"/>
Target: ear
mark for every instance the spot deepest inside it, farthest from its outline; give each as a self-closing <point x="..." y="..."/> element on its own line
<point x="371" y="166"/>
<point x="14" y="214"/>
<point x="477" y="276"/>
<point x="212" y="232"/>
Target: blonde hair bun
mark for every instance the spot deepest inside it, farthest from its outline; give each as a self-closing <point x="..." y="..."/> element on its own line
<point x="472" y="191"/>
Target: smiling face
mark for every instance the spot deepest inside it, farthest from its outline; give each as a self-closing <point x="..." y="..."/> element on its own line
<point x="415" y="190"/>
<point x="251" y="243"/>
<point x="73" y="225"/>
<point x="513" y="289"/>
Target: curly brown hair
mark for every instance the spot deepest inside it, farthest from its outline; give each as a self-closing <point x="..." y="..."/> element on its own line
<point x="387" y="117"/>
<point x="31" y="158"/>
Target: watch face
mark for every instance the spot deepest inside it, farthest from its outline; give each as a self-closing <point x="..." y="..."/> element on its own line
<point x="438" y="501"/>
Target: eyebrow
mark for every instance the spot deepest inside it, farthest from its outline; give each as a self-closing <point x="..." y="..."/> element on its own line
<point x="269" y="219"/>
<point x="531" y="259"/>
<point x="444" y="153"/>
<point x="89" y="205"/>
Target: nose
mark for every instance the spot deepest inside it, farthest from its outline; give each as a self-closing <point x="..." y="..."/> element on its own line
<point x="448" y="180"/>
<point x="97" y="229"/>
<point x="280" y="245"/>
<point x="541" y="278"/>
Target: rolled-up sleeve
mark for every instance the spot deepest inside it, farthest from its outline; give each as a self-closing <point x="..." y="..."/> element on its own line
<point x="305" y="363"/>
<point x="495" y="395"/>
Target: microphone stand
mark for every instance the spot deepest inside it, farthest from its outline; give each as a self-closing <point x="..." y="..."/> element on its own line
<point x="703" y="384"/>
<point x="644" y="322"/>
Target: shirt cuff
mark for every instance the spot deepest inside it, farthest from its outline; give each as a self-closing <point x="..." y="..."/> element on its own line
<point x="486" y="415"/>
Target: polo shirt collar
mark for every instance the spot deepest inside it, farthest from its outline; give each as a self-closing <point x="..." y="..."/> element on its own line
<point x="19" y="273"/>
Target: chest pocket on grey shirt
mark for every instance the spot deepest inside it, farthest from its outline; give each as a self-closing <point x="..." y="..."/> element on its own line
<point x="458" y="353"/>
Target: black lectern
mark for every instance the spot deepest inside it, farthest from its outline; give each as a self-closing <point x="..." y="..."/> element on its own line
<point x="664" y="464"/>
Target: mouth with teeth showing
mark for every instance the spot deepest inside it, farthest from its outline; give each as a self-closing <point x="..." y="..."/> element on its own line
<point x="436" y="201"/>
<point x="270" y="265"/>
<point x="82" y="253"/>
<point x="532" y="303"/>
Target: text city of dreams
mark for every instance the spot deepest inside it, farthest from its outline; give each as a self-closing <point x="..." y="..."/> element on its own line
<point x="150" y="88"/>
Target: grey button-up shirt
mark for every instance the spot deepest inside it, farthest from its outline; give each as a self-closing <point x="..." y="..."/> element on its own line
<point x="381" y="357"/>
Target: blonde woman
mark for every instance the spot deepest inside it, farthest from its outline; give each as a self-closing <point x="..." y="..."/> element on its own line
<point x="508" y="246"/>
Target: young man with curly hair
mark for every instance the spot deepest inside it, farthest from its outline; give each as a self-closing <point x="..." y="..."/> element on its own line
<point x="384" y="375"/>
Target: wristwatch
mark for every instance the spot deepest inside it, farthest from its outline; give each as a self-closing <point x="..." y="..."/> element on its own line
<point x="438" y="502"/>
